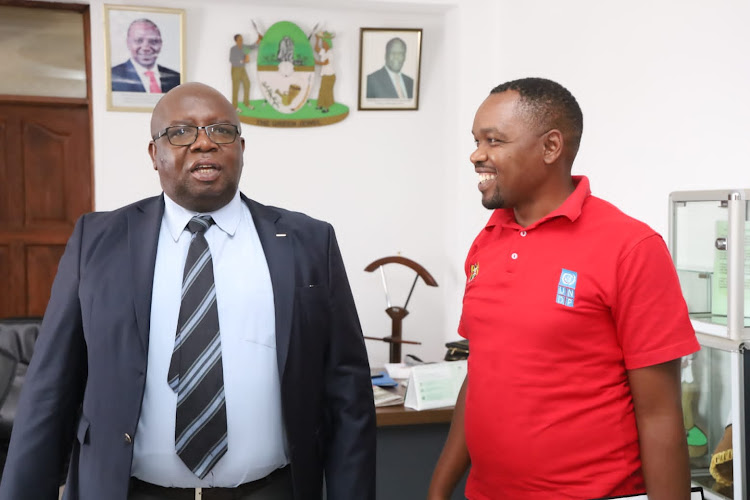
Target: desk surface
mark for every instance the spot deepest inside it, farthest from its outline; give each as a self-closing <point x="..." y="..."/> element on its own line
<point x="399" y="415"/>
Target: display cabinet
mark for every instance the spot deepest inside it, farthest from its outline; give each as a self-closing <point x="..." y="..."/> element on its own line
<point x="709" y="238"/>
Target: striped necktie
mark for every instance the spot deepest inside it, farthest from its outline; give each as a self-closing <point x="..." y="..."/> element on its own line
<point x="195" y="373"/>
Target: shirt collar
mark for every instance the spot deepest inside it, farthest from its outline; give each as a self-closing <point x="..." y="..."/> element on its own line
<point x="571" y="207"/>
<point x="227" y="218"/>
<point x="141" y="70"/>
<point x="393" y="74"/>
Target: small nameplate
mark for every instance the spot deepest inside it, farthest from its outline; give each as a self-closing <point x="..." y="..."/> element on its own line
<point x="435" y="385"/>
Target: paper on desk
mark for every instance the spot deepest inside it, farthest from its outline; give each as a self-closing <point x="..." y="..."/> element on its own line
<point x="398" y="370"/>
<point x="384" y="397"/>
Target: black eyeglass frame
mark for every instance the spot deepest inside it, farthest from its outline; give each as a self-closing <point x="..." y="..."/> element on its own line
<point x="237" y="133"/>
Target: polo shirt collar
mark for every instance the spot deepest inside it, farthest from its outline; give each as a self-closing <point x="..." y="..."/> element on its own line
<point x="571" y="207"/>
<point x="227" y="218"/>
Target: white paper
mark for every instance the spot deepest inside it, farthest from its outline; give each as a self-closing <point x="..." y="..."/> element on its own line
<point x="398" y="370"/>
<point x="384" y="397"/>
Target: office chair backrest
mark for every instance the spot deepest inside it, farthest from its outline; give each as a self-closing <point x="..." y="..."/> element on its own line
<point x="17" y="338"/>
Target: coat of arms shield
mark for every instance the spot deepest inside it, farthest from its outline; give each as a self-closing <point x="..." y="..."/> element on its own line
<point x="286" y="67"/>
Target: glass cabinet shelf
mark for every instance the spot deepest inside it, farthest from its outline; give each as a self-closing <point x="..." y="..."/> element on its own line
<point x="709" y="237"/>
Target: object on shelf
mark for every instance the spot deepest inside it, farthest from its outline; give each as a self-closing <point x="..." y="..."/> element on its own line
<point x="696" y="436"/>
<point x="719" y="283"/>
<point x="722" y="463"/>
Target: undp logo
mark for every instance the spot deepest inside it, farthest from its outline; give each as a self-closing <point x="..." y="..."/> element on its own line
<point x="566" y="288"/>
<point x="568" y="278"/>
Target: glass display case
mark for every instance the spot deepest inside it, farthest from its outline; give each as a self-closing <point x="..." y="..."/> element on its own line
<point x="709" y="238"/>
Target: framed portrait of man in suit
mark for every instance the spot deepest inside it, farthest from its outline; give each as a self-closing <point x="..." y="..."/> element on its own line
<point x="145" y="56"/>
<point x="389" y="64"/>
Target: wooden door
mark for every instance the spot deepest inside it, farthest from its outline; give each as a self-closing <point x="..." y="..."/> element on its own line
<point x="45" y="184"/>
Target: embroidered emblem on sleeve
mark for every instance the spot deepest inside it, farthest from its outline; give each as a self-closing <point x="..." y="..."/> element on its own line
<point x="566" y="288"/>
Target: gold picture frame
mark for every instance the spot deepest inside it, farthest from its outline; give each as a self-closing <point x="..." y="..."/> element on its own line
<point x="389" y="68"/>
<point x="145" y="55"/>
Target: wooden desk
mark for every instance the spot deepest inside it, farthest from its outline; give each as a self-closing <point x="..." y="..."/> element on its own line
<point x="399" y="415"/>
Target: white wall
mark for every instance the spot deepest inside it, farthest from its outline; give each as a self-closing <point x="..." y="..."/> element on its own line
<point x="377" y="176"/>
<point x="662" y="86"/>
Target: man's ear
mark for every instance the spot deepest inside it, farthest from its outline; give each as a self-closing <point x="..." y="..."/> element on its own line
<point x="152" y="153"/>
<point x="553" y="146"/>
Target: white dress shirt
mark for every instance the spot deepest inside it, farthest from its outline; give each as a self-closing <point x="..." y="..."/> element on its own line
<point x="398" y="83"/>
<point x="145" y="80"/>
<point x="257" y="443"/>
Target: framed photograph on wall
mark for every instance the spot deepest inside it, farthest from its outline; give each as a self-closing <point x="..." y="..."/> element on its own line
<point x="145" y="55"/>
<point x="389" y="64"/>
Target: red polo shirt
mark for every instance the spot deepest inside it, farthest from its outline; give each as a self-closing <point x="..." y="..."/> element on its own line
<point x="555" y="314"/>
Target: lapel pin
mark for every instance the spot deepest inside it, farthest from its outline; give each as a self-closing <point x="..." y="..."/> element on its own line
<point x="280" y="235"/>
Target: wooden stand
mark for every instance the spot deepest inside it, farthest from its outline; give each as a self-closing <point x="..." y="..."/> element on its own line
<point x="396" y="313"/>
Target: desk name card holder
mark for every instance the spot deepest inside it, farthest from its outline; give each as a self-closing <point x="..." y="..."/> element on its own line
<point x="435" y="385"/>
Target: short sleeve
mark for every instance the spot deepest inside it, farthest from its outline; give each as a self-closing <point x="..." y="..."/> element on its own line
<point x="650" y="313"/>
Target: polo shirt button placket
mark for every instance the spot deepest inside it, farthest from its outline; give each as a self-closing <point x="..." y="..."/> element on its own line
<point x="522" y="234"/>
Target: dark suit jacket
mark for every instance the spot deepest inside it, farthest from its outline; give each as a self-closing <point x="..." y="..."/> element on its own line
<point x="86" y="379"/>
<point x="379" y="84"/>
<point x="125" y="78"/>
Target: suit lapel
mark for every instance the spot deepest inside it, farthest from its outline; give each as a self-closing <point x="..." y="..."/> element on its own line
<point x="144" y="223"/>
<point x="280" y="259"/>
<point x="133" y="76"/>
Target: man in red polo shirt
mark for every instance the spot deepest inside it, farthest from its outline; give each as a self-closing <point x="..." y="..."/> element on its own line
<point x="576" y="324"/>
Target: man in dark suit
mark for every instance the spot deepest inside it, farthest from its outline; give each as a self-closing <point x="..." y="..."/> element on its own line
<point x="296" y="382"/>
<point x="388" y="81"/>
<point x="140" y="73"/>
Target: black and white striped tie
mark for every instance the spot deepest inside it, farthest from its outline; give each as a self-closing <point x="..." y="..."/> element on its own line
<point x="195" y="373"/>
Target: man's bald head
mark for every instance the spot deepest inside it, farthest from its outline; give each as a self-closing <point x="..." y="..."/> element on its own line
<point x="165" y="112"/>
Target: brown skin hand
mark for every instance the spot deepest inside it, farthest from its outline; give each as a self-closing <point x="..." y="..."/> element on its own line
<point x="454" y="459"/>
<point x="661" y="432"/>
<point x="204" y="176"/>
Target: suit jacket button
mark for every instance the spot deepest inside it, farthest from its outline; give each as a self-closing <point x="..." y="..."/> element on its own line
<point x="128" y="439"/>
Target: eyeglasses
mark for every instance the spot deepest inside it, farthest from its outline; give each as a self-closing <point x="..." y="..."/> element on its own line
<point x="185" y="135"/>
